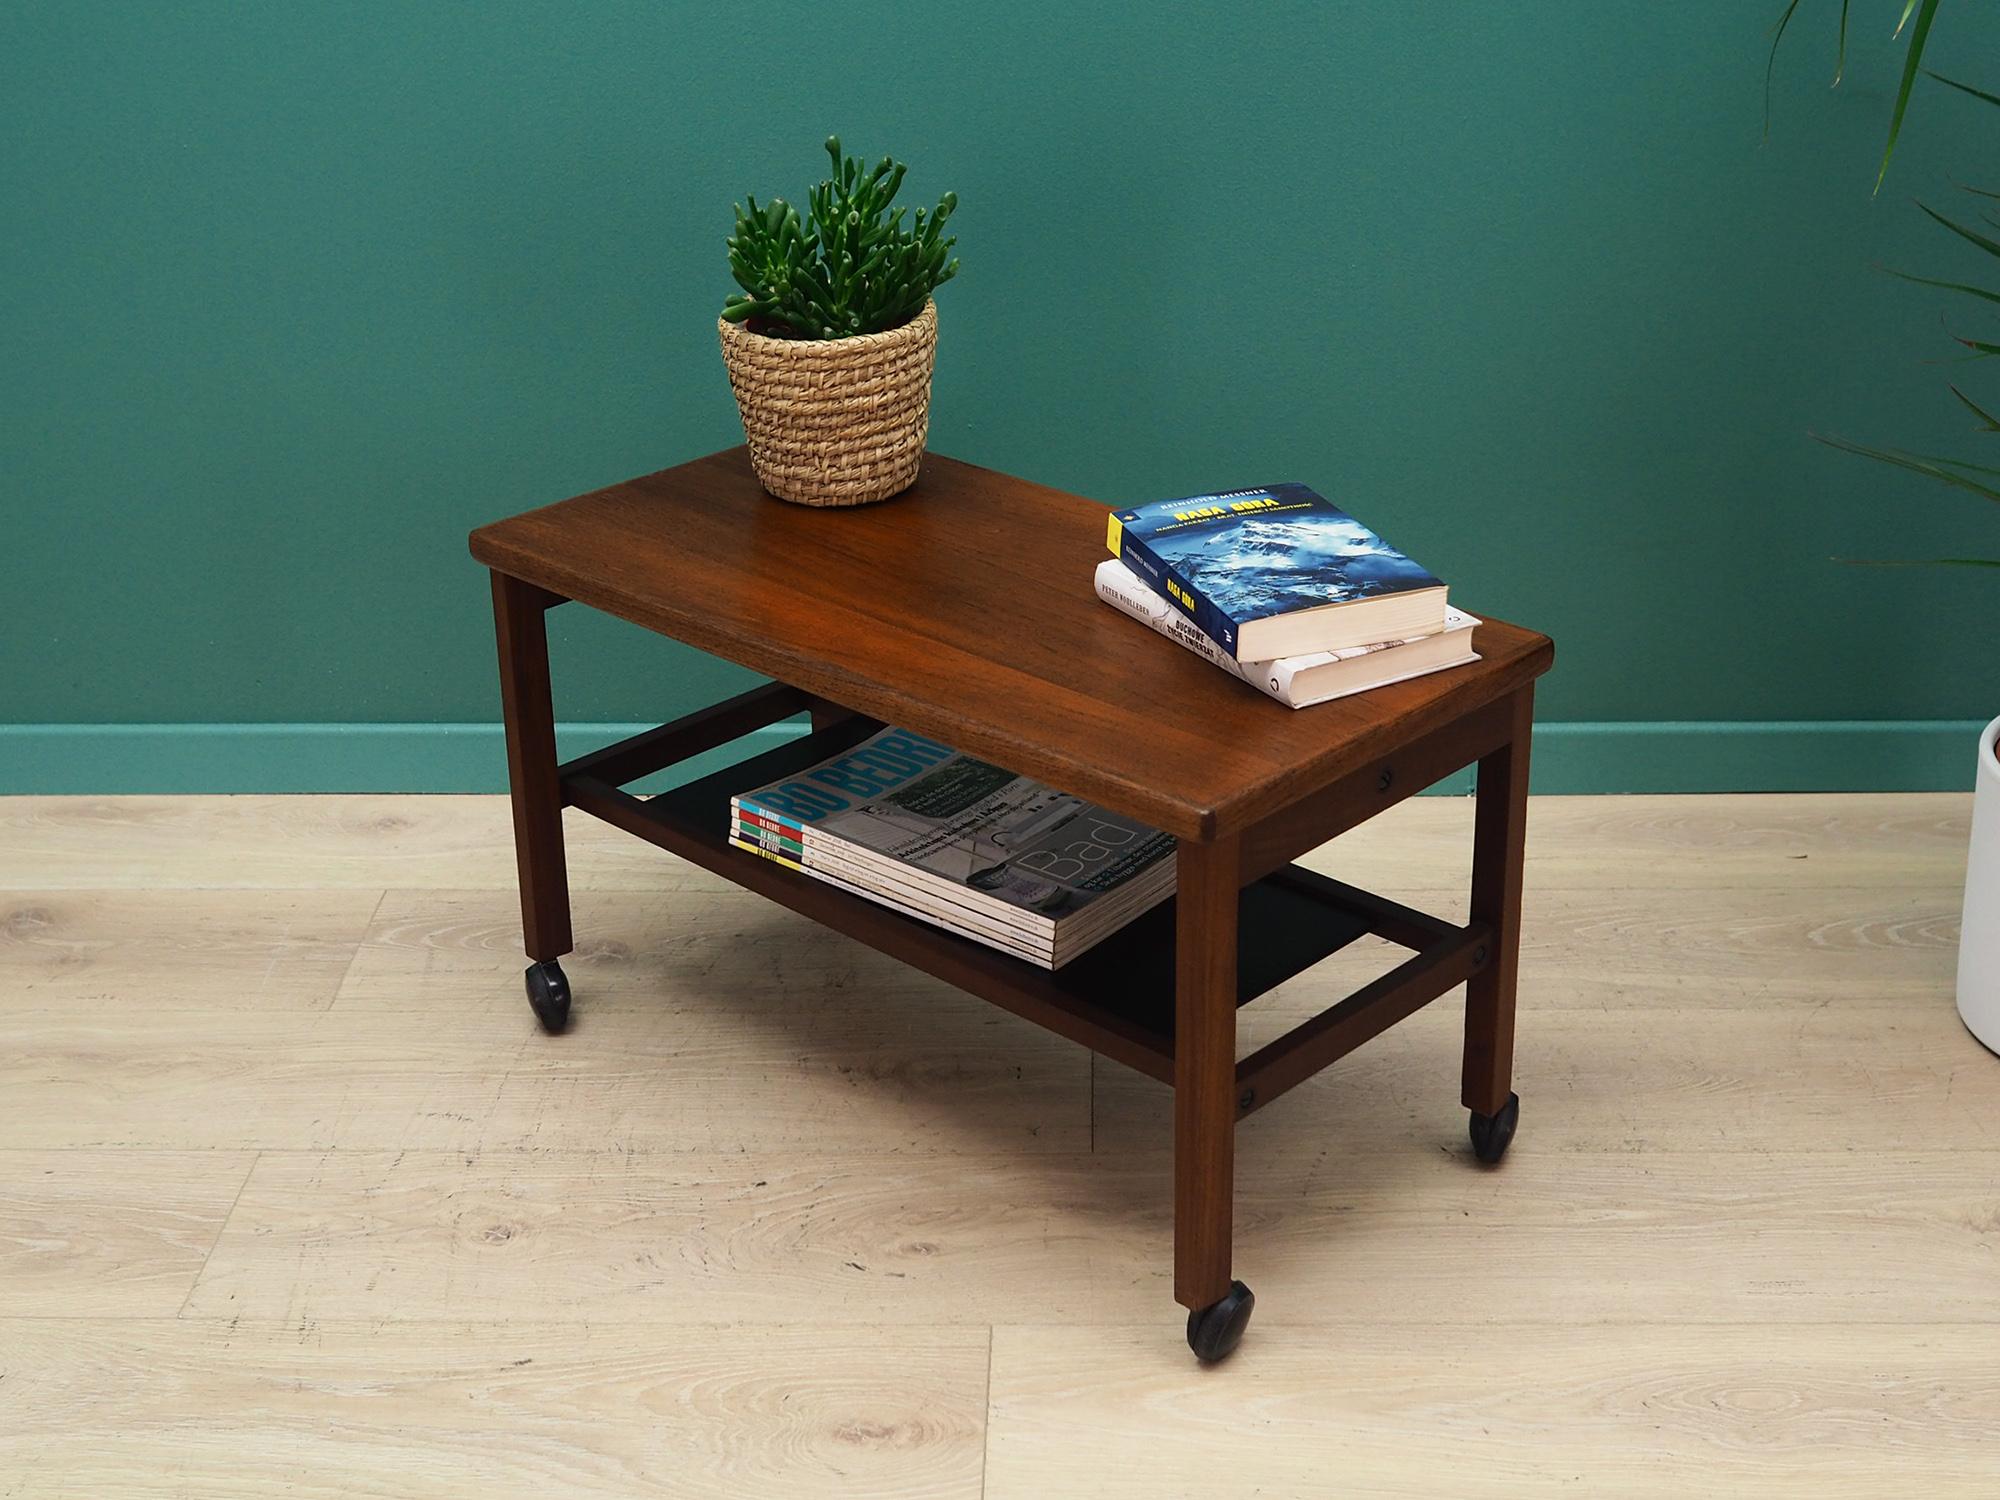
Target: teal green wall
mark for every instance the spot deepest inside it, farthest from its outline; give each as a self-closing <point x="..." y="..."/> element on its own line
<point x="295" y="295"/>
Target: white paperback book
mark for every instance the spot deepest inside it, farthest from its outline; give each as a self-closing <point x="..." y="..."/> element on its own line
<point x="1295" y="681"/>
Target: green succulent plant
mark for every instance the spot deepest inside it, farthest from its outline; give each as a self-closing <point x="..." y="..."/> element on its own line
<point x="849" y="266"/>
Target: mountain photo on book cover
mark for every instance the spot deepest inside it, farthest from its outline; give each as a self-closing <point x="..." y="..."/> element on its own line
<point x="1287" y="559"/>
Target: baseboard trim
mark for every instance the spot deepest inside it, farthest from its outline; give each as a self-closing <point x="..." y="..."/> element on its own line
<point x="1639" y="756"/>
<point x="1785" y="755"/>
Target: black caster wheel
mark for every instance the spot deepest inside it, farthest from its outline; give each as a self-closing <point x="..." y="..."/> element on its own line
<point x="1216" y="1329"/>
<point x="548" y="994"/>
<point x="1491" y="1133"/>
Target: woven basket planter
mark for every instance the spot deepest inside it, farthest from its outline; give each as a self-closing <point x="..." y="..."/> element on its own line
<point x="834" y="421"/>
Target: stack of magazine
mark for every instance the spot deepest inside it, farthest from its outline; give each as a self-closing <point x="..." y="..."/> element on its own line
<point x="967" y="846"/>
<point x="1282" y="588"/>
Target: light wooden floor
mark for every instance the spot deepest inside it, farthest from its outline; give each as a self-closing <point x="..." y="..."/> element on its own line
<point x="295" y="1200"/>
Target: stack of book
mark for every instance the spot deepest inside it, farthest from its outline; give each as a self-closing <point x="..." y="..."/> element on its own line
<point x="954" y="841"/>
<point x="1284" y="589"/>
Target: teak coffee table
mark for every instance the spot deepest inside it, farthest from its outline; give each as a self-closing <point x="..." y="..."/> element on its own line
<point x="964" y="610"/>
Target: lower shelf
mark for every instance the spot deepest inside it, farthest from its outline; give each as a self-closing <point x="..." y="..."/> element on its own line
<point x="1282" y="928"/>
<point x="1118" y="998"/>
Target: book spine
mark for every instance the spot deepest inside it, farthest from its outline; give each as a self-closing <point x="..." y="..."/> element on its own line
<point x="1183" y="632"/>
<point x="1171" y="585"/>
<point x="1277" y="681"/>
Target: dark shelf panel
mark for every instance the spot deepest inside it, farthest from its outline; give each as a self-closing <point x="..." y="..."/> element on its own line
<point x="1283" y="929"/>
<point x="1117" y="998"/>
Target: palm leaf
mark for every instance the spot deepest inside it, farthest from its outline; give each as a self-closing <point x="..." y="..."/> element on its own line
<point x="1926" y="13"/>
<point x="1973" y="235"/>
<point x="1930" y="468"/>
<point x="1952" y="463"/>
<point x="1771" y="62"/>
<point x="1977" y="410"/>
<point x="1965" y="88"/>
<point x="1949" y="286"/>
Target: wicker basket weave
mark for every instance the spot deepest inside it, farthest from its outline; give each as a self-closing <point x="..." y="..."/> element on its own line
<point x="834" y="421"/>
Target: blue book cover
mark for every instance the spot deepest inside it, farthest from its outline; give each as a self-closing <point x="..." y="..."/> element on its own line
<point x="1277" y="571"/>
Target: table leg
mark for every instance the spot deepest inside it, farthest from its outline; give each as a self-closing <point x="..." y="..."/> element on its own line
<point x="521" y="631"/>
<point x="1499" y="841"/>
<point x="1207" y="891"/>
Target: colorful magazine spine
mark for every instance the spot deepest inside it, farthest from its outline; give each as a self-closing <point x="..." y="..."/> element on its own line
<point x="771" y="854"/>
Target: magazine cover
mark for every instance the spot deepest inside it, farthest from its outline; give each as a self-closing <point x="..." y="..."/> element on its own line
<point x="1240" y="556"/>
<point x="1049" y="948"/>
<point x="975" y="825"/>
<point x="944" y="902"/>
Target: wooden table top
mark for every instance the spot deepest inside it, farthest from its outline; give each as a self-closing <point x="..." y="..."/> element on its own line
<point x="964" y="610"/>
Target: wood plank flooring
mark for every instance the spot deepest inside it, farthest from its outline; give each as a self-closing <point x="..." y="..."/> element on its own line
<point x="295" y="1200"/>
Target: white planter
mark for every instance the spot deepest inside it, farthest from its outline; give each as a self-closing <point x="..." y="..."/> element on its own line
<point x="1979" y="937"/>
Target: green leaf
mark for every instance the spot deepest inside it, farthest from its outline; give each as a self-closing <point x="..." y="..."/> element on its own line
<point x="1989" y="246"/>
<point x="1921" y="562"/>
<point x="1840" y="51"/>
<point x="1949" y="286"/>
<point x="1954" y="463"/>
<point x="1926" y="13"/>
<point x="1977" y="410"/>
<point x="1771" y="62"/>
<point x="1965" y="88"/>
<point x="1930" y="468"/>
